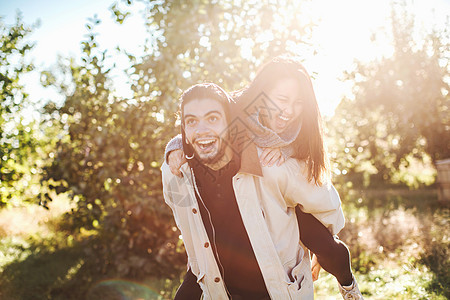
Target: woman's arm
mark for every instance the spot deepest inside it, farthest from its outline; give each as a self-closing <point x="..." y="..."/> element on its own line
<point x="174" y="155"/>
<point x="322" y="202"/>
<point x="176" y="143"/>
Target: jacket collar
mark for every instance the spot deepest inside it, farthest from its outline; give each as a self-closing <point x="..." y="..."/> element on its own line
<point x="250" y="160"/>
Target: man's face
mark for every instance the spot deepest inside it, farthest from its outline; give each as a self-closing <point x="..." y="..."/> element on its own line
<point x="205" y="126"/>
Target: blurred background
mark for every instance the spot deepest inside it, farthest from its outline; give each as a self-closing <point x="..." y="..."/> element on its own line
<point x="89" y="95"/>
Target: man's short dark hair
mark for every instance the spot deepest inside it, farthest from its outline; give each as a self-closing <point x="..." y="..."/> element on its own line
<point x="206" y="91"/>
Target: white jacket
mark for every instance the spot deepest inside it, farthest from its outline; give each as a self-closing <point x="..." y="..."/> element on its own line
<point x="266" y="198"/>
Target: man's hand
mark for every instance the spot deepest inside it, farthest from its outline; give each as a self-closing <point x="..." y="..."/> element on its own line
<point x="315" y="268"/>
<point x="270" y="156"/>
<point x="175" y="160"/>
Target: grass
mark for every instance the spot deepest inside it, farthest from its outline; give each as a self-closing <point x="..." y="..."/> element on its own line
<point x="21" y="226"/>
<point x="43" y="273"/>
<point x="399" y="243"/>
<point x="390" y="280"/>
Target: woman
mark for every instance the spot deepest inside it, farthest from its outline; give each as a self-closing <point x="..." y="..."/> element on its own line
<point x="282" y="117"/>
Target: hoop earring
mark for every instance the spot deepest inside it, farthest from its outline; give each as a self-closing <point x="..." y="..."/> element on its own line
<point x="189" y="157"/>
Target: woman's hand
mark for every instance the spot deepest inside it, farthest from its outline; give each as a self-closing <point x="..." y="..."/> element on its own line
<point x="315" y="268"/>
<point x="175" y="160"/>
<point x="270" y="156"/>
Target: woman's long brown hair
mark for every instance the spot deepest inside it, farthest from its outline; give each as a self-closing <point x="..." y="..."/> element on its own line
<point x="309" y="145"/>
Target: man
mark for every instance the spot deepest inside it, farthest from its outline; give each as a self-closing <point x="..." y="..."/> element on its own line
<point x="237" y="220"/>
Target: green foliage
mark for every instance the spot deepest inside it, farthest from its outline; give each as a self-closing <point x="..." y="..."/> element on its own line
<point x="436" y="252"/>
<point x="398" y="241"/>
<point x="216" y="41"/>
<point x="18" y="136"/>
<point x="388" y="280"/>
<point x="110" y="162"/>
<point x="398" y="119"/>
<point x="13" y="47"/>
<point x="51" y="270"/>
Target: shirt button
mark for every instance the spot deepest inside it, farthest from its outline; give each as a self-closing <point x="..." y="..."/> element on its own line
<point x="206" y="245"/>
<point x="194" y="210"/>
<point x="217" y="279"/>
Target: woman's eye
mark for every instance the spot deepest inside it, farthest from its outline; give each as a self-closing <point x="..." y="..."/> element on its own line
<point x="212" y="119"/>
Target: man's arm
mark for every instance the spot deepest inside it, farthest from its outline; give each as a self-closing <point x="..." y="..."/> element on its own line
<point x="189" y="289"/>
<point x="166" y="177"/>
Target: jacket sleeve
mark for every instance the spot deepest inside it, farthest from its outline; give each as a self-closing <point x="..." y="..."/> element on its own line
<point x="166" y="177"/>
<point x="171" y="191"/>
<point x="176" y="143"/>
<point x="174" y="194"/>
<point x="323" y="202"/>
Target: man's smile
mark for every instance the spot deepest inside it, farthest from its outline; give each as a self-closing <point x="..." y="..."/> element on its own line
<point x="206" y="144"/>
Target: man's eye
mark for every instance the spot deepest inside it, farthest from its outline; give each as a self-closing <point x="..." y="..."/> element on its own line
<point x="190" y="122"/>
<point x="213" y="119"/>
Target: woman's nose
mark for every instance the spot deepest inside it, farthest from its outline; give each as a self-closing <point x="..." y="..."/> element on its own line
<point x="288" y="109"/>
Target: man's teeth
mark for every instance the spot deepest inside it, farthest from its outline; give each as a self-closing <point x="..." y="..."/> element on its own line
<point x="205" y="142"/>
<point x="284" y="118"/>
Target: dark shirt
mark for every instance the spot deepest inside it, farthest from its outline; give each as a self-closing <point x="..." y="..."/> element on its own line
<point x="234" y="255"/>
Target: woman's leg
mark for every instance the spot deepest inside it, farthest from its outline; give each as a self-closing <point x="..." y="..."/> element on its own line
<point x="332" y="254"/>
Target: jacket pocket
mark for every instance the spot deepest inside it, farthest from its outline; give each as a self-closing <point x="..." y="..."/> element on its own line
<point x="296" y="278"/>
<point x="301" y="287"/>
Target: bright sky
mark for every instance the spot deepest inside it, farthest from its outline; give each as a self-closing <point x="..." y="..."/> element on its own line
<point x="343" y="35"/>
<point x="62" y="28"/>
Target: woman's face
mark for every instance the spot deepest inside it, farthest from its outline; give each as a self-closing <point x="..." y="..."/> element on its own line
<point x="286" y="99"/>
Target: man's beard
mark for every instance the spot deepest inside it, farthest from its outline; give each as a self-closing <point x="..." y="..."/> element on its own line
<point x="219" y="155"/>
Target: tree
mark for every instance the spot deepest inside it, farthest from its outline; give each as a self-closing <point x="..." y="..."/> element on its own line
<point x="107" y="163"/>
<point x="18" y="141"/>
<point x="399" y="115"/>
<point x="218" y="41"/>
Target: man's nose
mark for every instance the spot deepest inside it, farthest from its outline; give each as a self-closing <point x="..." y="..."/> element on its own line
<point x="202" y="128"/>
